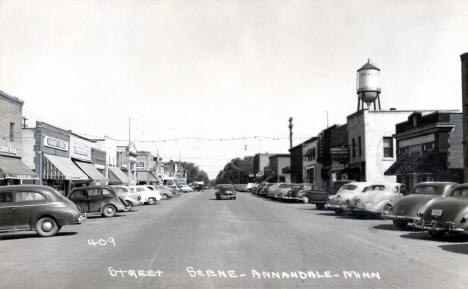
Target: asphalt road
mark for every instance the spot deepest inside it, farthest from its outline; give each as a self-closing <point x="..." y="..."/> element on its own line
<point x="245" y="239"/>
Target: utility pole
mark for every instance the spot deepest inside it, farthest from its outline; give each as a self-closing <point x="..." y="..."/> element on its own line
<point x="290" y="132"/>
<point x="326" y="112"/>
<point x="25" y="125"/>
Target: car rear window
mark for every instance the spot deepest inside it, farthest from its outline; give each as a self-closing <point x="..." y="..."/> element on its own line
<point x="460" y="193"/>
<point x="28" y="197"/>
<point x="427" y="189"/>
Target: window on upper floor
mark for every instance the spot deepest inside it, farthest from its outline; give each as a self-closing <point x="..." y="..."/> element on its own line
<point x="12" y="131"/>
<point x="428" y="146"/>
<point x="360" y="148"/>
<point x="354" y="147"/>
<point x="388" y="147"/>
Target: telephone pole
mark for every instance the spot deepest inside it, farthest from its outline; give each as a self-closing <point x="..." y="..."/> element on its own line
<point x="290" y="132"/>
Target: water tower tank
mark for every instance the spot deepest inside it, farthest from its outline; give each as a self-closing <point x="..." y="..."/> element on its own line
<point x="368" y="83"/>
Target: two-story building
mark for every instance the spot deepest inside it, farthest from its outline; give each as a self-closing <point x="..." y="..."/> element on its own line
<point x="277" y="170"/>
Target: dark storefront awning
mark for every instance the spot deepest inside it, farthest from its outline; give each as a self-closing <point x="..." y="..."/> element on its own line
<point x="145" y="176"/>
<point x="61" y="168"/>
<point x="117" y="177"/>
<point x="14" y="168"/>
<point x="430" y="162"/>
<point x="90" y="170"/>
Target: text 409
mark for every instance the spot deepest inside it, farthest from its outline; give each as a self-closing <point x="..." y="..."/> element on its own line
<point x="102" y="242"/>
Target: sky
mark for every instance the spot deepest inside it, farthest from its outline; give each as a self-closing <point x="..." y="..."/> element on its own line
<point x="224" y="69"/>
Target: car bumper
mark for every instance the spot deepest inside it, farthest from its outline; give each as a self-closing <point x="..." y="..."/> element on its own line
<point x="437" y="226"/>
<point x="400" y="218"/>
<point x="338" y="207"/>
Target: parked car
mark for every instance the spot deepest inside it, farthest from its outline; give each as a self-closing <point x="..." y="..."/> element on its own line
<point x="277" y="189"/>
<point x="128" y="198"/>
<point x="240" y="187"/>
<point x="147" y="196"/>
<point x="97" y="199"/>
<point x="39" y="208"/>
<point x="175" y="189"/>
<point x="446" y="215"/>
<point x="264" y="190"/>
<point x="165" y="192"/>
<point x="341" y="200"/>
<point x="336" y="185"/>
<point x="297" y="192"/>
<point x="318" y="197"/>
<point x="405" y="210"/>
<point x="251" y="187"/>
<point x="377" y="199"/>
<point x="185" y="188"/>
<point x="225" y="192"/>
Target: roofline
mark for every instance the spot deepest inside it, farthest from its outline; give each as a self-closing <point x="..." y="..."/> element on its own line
<point x="12" y="98"/>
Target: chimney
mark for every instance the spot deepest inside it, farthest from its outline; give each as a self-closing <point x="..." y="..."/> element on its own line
<point x="464" y="76"/>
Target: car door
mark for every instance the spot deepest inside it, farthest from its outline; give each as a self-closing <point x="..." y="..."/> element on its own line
<point x="80" y="198"/>
<point x="95" y="200"/>
<point x="28" y="204"/>
<point x="7" y="211"/>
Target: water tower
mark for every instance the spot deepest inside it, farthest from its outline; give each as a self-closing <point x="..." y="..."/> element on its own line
<point x="368" y="86"/>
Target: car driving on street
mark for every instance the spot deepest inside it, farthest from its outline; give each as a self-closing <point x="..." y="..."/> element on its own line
<point x="225" y="192"/>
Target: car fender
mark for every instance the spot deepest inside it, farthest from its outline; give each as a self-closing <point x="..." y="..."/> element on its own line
<point x="378" y="206"/>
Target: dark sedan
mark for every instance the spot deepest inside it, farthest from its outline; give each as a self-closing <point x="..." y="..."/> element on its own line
<point x="97" y="199"/>
<point x="406" y="209"/>
<point x="33" y="207"/>
<point x="446" y="215"/>
<point x="225" y="192"/>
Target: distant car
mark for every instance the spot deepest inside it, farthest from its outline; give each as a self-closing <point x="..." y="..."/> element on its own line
<point x="147" y="196"/>
<point x="297" y="192"/>
<point x="264" y="191"/>
<point x="406" y="209"/>
<point x="39" y="208"/>
<point x="278" y="189"/>
<point x="225" y="192"/>
<point x="165" y="192"/>
<point x="128" y="198"/>
<point x="446" y="215"/>
<point x="175" y="189"/>
<point x="377" y="199"/>
<point x="341" y="200"/>
<point x="97" y="199"/>
<point x="185" y="188"/>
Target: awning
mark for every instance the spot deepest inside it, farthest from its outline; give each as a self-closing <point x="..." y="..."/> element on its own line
<point x="146" y="176"/>
<point x="117" y="177"/>
<point x="90" y="170"/>
<point x="61" y="168"/>
<point x="430" y="162"/>
<point x="14" y="168"/>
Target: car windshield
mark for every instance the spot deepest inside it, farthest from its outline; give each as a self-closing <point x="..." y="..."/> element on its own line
<point x="427" y="189"/>
<point x="460" y="193"/>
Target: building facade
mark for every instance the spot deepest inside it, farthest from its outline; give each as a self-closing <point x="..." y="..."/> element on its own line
<point x="429" y="148"/>
<point x="297" y="158"/>
<point x="260" y="161"/>
<point x="12" y="169"/>
<point x="277" y="170"/>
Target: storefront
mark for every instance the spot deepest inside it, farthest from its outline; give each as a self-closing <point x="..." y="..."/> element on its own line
<point x="146" y="178"/>
<point x="61" y="174"/>
<point x="117" y="177"/>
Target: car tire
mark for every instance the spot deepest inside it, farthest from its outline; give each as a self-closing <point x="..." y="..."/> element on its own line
<point x="304" y="199"/>
<point x="46" y="227"/>
<point x="400" y="224"/>
<point x="387" y="209"/>
<point x="234" y="198"/>
<point x="320" y="206"/>
<point x="129" y="204"/>
<point x="109" y="211"/>
<point x="217" y="197"/>
<point x="151" y="201"/>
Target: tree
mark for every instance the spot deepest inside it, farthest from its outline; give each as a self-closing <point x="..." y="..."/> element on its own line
<point x="194" y="174"/>
<point x="236" y="171"/>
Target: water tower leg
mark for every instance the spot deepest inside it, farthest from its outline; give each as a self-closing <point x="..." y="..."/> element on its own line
<point x="358" y="103"/>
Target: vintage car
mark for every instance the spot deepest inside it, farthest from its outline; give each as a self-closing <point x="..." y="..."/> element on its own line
<point x="261" y="188"/>
<point x="250" y="187"/>
<point x="147" y="196"/>
<point x="97" y="199"/>
<point x="39" y="208"/>
<point x="185" y="188"/>
<point x="405" y="210"/>
<point x="277" y="190"/>
<point x="341" y="200"/>
<point x="318" y="197"/>
<point x="225" y="192"/>
<point x="175" y="189"/>
<point x="165" y="192"/>
<point x="128" y="198"/>
<point x="297" y="192"/>
<point x="446" y="215"/>
<point x="377" y="199"/>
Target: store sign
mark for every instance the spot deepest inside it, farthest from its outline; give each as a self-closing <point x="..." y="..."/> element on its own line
<point x="80" y="148"/>
<point x="55" y="143"/>
<point x="340" y="154"/>
<point x="8" y="148"/>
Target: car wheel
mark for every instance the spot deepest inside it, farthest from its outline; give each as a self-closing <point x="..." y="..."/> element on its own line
<point x="304" y="199"/>
<point x="234" y="198"/>
<point x="164" y="197"/>
<point x="437" y="234"/>
<point x="339" y="212"/>
<point x="320" y="206"/>
<point x="46" y="227"/>
<point x="400" y="224"/>
<point x="151" y="201"/>
<point x="129" y="204"/>
<point x="387" y="209"/>
<point x="217" y="197"/>
<point x="109" y="211"/>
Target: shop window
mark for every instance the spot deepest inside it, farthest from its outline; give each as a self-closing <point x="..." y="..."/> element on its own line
<point x="29" y="197"/>
<point x="388" y="147"/>
<point x="360" y="148"/>
<point x="354" y="148"/>
<point x="12" y="131"/>
<point x="404" y="150"/>
<point x="6" y="197"/>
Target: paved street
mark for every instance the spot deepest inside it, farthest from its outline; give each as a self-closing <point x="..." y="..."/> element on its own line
<point x="246" y="239"/>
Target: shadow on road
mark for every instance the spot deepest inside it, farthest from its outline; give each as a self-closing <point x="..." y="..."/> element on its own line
<point x="459" y="248"/>
<point x="426" y="237"/>
<point x="102" y="217"/>
<point x="31" y="235"/>
<point x="391" y="227"/>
